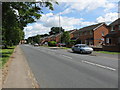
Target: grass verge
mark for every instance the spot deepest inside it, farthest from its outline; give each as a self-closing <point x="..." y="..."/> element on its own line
<point x="5" y="55"/>
<point x="64" y="48"/>
<point x="107" y="52"/>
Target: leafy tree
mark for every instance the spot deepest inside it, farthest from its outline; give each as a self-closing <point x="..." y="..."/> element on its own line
<point x="36" y="39"/>
<point x="65" y="38"/>
<point x="55" y="30"/>
<point x="44" y="35"/>
<point x="16" y="16"/>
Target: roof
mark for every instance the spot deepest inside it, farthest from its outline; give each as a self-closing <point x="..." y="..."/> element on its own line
<point x="113" y="34"/>
<point x="116" y="22"/>
<point x="91" y="27"/>
<point x="71" y="31"/>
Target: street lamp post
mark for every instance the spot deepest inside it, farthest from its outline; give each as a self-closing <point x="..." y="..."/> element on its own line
<point x="59" y="25"/>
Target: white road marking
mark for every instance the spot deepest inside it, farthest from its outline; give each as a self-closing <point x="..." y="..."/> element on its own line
<point x="84" y="61"/>
<point x="98" y="65"/>
<point x="67" y="56"/>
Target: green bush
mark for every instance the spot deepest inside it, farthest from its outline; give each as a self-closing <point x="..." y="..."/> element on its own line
<point x="71" y="42"/>
<point x="52" y="43"/>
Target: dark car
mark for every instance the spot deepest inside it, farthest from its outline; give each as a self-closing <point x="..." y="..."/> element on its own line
<point x="61" y="45"/>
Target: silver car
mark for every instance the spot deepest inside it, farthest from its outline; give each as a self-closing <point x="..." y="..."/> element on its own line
<point x="82" y="48"/>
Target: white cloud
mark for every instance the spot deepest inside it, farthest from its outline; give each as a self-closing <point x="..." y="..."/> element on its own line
<point x="49" y="20"/>
<point x="44" y="24"/>
<point x="35" y="29"/>
<point x="108" y="18"/>
<point x="88" y="5"/>
<point x="53" y="20"/>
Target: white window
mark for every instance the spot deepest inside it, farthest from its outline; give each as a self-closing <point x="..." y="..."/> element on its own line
<point x="91" y="33"/>
<point x="119" y="27"/>
<point x="112" y="28"/>
<point x="102" y="33"/>
<point x="107" y="40"/>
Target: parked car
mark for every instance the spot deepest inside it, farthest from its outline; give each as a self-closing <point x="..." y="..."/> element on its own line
<point x="61" y="45"/>
<point x="82" y="48"/>
<point x="36" y="44"/>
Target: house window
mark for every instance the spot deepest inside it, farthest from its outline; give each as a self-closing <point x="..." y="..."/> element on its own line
<point x="108" y="40"/>
<point x="85" y="33"/>
<point x="81" y="42"/>
<point x="102" y="33"/>
<point x="85" y="41"/>
<point x="119" y="27"/>
<point x="80" y="33"/>
<point x="91" y="33"/>
<point x="119" y="40"/>
<point x="112" y="28"/>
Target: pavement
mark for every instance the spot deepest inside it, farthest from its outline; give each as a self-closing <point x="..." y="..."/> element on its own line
<point x="19" y="74"/>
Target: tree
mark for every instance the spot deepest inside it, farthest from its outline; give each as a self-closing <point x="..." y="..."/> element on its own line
<point x="36" y="39"/>
<point x="55" y="30"/>
<point x="65" y="38"/>
<point x="16" y="16"/>
<point x="44" y="35"/>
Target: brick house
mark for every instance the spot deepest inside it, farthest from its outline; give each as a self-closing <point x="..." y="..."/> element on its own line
<point x="44" y="39"/>
<point x="92" y="35"/>
<point x="112" y="40"/>
<point x="71" y="32"/>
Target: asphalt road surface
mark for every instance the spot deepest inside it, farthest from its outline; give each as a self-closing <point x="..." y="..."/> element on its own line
<point x="56" y="68"/>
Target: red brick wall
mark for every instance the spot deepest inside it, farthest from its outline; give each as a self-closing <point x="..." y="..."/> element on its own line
<point x="84" y="37"/>
<point x="111" y="48"/>
<point x="71" y="35"/>
<point x="98" y="34"/>
<point x="58" y="38"/>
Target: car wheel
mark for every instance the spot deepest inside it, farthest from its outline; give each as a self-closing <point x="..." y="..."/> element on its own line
<point x="89" y="52"/>
<point x="73" y="50"/>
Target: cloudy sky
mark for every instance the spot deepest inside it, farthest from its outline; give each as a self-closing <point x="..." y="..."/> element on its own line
<point x="74" y="14"/>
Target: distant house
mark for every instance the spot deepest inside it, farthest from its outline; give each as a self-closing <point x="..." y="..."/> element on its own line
<point x="112" y="40"/>
<point x="56" y="37"/>
<point x="92" y="35"/>
<point x="71" y="32"/>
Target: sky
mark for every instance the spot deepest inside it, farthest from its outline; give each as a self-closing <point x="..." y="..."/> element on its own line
<point x="74" y="14"/>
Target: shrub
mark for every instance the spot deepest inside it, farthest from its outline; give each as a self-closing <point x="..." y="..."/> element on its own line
<point x="52" y="43"/>
<point x="71" y="43"/>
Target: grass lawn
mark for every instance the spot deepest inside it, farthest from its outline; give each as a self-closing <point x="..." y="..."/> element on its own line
<point x="107" y="52"/>
<point x="6" y="53"/>
<point x="65" y="48"/>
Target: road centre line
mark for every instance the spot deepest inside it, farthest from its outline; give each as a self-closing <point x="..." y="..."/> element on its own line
<point x="67" y="56"/>
<point x="83" y="61"/>
<point x="98" y="65"/>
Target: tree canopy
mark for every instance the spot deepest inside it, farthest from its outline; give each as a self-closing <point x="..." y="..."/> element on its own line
<point x="65" y="38"/>
<point x="16" y="16"/>
<point x="55" y="30"/>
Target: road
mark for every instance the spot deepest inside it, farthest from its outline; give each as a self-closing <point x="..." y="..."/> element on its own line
<point x="55" y="68"/>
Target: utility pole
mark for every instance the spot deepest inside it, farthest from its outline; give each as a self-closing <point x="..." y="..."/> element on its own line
<point x="59" y="27"/>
